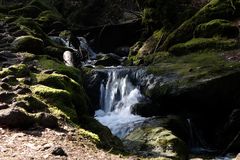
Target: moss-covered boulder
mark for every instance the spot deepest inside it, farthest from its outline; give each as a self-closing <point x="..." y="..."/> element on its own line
<point x="18" y="70"/>
<point x="217" y="27"/>
<point x="215" y="9"/>
<point x="28" y="44"/>
<point x="156" y="142"/>
<point x="198" y="44"/>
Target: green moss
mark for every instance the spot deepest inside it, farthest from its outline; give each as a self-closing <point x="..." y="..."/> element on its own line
<point x="215" y="9"/>
<point x="89" y="135"/>
<point x="29" y="26"/>
<point x="217" y="27"/>
<point x="18" y="70"/>
<point x="156" y="141"/>
<point x="197" y="44"/>
<point x="189" y="68"/>
<point x="34" y="104"/>
<point x="79" y="99"/>
<point x="58" y="100"/>
<point x="28" y="44"/>
<point x="150" y="46"/>
<point x="107" y="140"/>
<point x="47" y="62"/>
<point x="55" y="51"/>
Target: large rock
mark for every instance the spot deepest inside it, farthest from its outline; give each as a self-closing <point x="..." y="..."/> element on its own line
<point x="16" y="118"/>
<point x="28" y="44"/>
<point x="156" y="142"/>
<point x="109" y="60"/>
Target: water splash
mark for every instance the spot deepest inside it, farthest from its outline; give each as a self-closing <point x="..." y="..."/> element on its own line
<point x="118" y="95"/>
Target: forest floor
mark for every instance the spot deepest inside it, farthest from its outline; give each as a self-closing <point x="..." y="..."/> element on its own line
<point x="38" y="143"/>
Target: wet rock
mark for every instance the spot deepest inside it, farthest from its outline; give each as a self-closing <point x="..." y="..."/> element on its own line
<point x="16" y="118"/>
<point x="109" y="60"/>
<point x="3" y="106"/>
<point x="58" y="151"/>
<point x="7" y="96"/>
<point x="47" y="120"/>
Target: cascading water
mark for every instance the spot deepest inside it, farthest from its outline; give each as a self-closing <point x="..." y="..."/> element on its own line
<point x="118" y="95"/>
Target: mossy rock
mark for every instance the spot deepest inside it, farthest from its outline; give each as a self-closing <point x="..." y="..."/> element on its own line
<point x="34" y="104"/>
<point x="217" y="27"/>
<point x="197" y="44"/>
<point x="27" y="11"/>
<point x="58" y="100"/>
<point x="140" y="50"/>
<point x="47" y="62"/>
<point x="215" y="9"/>
<point x="156" y="142"/>
<point x="58" y="81"/>
<point x="19" y="70"/>
<point x="28" y="44"/>
<point x="54" y="51"/>
<point x="107" y="140"/>
<point x="31" y="27"/>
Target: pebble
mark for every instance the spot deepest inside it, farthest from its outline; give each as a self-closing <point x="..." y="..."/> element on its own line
<point x="58" y="151"/>
<point x="3" y="106"/>
<point x="5" y="86"/>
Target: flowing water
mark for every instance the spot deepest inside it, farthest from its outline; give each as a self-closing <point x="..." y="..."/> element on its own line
<point x="118" y="96"/>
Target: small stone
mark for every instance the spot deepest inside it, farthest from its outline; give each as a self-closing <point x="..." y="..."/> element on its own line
<point x="27" y="81"/>
<point x="46" y="147"/>
<point x="6" y="96"/>
<point x="49" y="71"/>
<point x="5" y="86"/>
<point x="58" y="151"/>
<point x="21" y="104"/>
<point x="3" y="106"/>
<point x="10" y="79"/>
<point x="23" y="91"/>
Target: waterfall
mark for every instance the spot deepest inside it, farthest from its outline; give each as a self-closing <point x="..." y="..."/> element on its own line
<point x="118" y="95"/>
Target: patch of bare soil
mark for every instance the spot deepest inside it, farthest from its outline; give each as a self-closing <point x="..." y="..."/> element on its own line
<point x="39" y="144"/>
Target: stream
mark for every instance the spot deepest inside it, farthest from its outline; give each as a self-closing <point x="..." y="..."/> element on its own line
<point x="119" y="92"/>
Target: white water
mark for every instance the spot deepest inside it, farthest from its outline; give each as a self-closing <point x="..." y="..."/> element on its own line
<point x="118" y="95"/>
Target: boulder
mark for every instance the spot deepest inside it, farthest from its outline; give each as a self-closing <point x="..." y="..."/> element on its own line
<point x="28" y="44"/>
<point x="16" y="118"/>
<point x="156" y="142"/>
<point x="109" y="60"/>
<point x="46" y="120"/>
